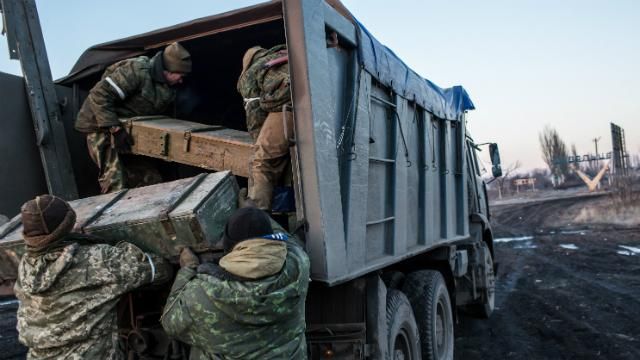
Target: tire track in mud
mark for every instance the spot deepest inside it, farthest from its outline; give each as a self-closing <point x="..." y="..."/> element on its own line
<point x="592" y="282"/>
<point x="555" y="303"/>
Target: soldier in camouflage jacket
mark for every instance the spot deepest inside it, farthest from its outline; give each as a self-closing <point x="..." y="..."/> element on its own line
<point x="69" y="284"/>
<point x="132" y="87"/>
<point x="265" y="87"/>
<point x="251" y="305"/>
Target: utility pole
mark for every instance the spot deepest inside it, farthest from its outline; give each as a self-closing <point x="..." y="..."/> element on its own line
<point x="595" y="140"/>
<point x="26" y="43"/>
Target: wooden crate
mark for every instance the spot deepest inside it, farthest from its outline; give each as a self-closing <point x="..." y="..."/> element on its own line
<point x="160" y="218"/>
<point x="209" y="147"/>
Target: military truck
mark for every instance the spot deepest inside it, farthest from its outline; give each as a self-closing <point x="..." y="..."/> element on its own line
<point x="389" y="196"/>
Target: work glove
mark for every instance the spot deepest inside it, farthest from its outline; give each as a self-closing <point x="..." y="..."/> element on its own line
<point x="188" y="258"/>
<point x="120" y="139"/>
<point x="244" y="200"/>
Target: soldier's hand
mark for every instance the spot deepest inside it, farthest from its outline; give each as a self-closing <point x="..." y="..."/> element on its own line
<point x="188" y="258"/>
<point x="120" y="139"/>
<point x="243" y="200"/>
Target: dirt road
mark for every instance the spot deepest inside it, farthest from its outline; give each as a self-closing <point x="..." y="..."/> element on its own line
<point x="568" y="284"/>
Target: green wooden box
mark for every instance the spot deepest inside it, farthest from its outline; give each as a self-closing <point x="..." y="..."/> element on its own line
<point x="160" y="218"/>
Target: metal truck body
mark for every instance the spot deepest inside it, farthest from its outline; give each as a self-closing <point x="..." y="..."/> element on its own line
<point x="388" y="189"/>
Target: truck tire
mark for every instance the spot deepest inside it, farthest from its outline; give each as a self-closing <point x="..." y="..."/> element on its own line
<point x="485" y="307"/>
<point x="403" y="336"/>
<point x="429" y="298"/>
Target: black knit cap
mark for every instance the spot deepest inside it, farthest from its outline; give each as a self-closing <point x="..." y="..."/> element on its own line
<point x="245" y="223"/>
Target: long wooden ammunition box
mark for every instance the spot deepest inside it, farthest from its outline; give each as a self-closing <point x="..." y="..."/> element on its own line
<point x="209" y="147"/>
<point x="160" y="218"/>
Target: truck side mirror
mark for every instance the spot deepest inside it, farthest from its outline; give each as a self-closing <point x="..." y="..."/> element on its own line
<point x="496" y="168"/>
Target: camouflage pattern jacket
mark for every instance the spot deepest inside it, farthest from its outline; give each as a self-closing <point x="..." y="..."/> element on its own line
<point x="68" y="297"/>
<point x="224" y="318"/>
<point x="264" y="89"/>
<point x="128" y="88"/>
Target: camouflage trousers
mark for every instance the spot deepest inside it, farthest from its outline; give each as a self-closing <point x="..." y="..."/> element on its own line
<point x="112" y="174"/>
<point x="270" y="157"/>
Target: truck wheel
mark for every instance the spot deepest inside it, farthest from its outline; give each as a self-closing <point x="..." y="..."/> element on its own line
<point x="404" y="340"/>
<point x="488" y="299"/>
<point x="429" y="297"/>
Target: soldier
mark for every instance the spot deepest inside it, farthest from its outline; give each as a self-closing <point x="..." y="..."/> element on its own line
<point x="69" y="284"/>
<point x="251" y="305"/>
<point x="264" y="85"/>
<point x="132" y="87"/>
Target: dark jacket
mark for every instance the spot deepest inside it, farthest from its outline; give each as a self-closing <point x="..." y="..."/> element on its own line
<point x="228" y="318"/>
<point x="128" y="88"/>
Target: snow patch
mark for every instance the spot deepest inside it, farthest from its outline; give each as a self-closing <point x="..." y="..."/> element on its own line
<point x="510" y="239"/>
<point x="526" y="245"/>
<point x="569" y="246"/>
<point x="629" y="250"/>
<point x="573" y="232"/>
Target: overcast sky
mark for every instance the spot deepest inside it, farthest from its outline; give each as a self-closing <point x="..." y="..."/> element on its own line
<point x="570" y="64"/>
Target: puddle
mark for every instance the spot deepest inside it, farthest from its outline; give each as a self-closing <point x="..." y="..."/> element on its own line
<point x="629" y="250"/>
<point x="510" y="239"/>
<point x="526" y="245"/>
<point x="569" y="246"/>
<point x="573" y="232"/>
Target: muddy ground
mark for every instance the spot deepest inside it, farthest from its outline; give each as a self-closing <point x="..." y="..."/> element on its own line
<point x="566" y="289"/>
<point x="568" y="283"/>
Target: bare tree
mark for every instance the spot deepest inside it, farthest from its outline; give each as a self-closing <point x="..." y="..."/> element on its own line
<point x="506" y="178"/>
<point x="574" y="153"/>
<point x="554" y="152"/>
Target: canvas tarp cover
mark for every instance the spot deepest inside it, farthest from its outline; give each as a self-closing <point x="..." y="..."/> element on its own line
<point x="385" y="66"/>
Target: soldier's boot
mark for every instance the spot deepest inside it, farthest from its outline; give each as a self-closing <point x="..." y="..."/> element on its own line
<point x="261" y="194"/>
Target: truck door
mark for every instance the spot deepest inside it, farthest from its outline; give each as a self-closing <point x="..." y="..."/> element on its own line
<point x="477" y="187"/>
<point x="23" y="176"/>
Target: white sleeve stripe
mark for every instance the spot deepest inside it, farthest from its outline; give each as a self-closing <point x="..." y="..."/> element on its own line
<point x="116" y="87"/>
<point x="153" y="267"/>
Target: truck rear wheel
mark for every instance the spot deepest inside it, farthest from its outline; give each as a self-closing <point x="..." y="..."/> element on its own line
<point x="404" y="339"/>
<point x="429" y="297"/>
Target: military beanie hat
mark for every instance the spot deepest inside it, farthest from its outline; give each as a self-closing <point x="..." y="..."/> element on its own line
<point x="245" y="223"/>
<point x="176" y="59"/>
<point x="46" y="219"/>
<point x="247" y="59"/>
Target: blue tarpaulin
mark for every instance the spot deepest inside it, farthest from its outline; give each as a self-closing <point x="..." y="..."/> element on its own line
<point x="387" y="68"/>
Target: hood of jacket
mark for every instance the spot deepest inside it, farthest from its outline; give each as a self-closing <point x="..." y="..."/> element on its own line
<point x="255" y="258"/>
<point x="38" y="272"/>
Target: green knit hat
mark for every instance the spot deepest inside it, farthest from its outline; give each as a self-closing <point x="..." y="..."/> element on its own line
<point x="176" y="59"/>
